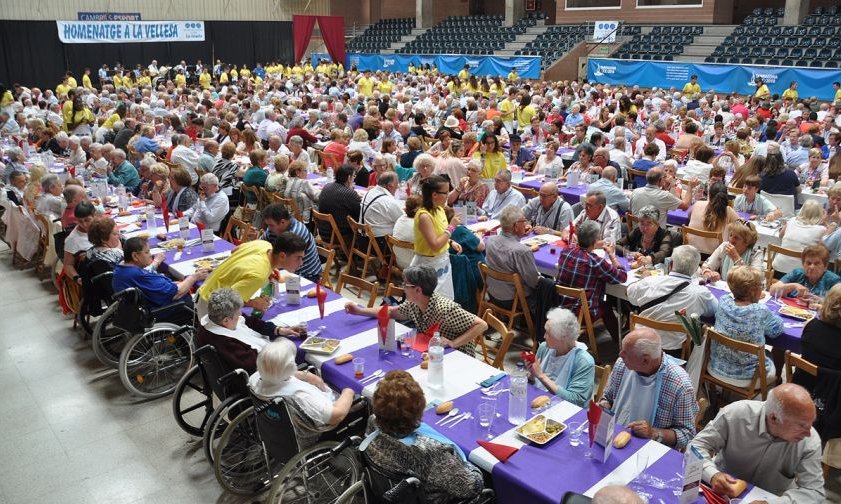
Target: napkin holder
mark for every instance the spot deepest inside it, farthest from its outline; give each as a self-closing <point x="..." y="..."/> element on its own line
<point x="207" y="240"/>
<point x="293" y="289"/>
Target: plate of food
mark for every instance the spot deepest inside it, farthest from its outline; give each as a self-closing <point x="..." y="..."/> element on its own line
<point x="797" y="313"/>
<point x="173" y="244"/>
<point x="540" y="430"/>
<point x="535" y="241"/>
<point x="209" y="263"/>
<point x="319" y="345"/>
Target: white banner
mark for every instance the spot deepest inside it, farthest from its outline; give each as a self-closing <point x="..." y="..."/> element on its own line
<point x="120" y="32"/>
<point x="605" y="31"/>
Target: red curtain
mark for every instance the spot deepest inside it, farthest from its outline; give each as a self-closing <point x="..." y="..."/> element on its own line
<point x="333" y="32"/>
<point x="302" y="32"/>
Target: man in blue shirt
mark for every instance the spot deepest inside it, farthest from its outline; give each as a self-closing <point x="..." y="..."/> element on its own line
<point x="524" y="158"/>
<point x="278" y="219"/>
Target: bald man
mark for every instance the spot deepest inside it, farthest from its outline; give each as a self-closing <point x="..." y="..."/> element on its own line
<point x="771" y="444"/>
<point x="650" y="393"/>
<point x="549" y="213"/>
<point x="616" y="494"/>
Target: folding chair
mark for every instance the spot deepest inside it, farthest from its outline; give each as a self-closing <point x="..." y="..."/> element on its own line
<point x="686" y="231"/>
<point x="519" y="305"/>
<point x="362" y="285"/>
<point x="394" y="243"/>
<point x="335" y="241"/>
<point x="329" y="256"/>
<point x="659" y="325"/>
<point x="759" y="381"/>
<point x="507" y="337"/>
<point x="289" y="203"/>
<point x="602" y="376"/>
<point x="584" y="318"/>
<point x="238" y="231"/>
<point x="772" y="251"/>
<point x="795" y="361"/>
<point x="363" y="236"/>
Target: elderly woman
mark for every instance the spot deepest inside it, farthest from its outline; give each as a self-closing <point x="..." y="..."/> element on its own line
<point x="301" y="190"/>
<point x="15" y="164"/>
<point x="276" y="182"/>
<point x="584" y="166"/>
<point x="213" y="205"/>
<point x="741" y="316"/>
<point x="491" y="156"/>
<point x="379" y="165"/>
<point x="360" y="143"/>
<point x="122" y="172"/>
<point x="450" y="164"/>
<point x="561" y="366"/>
<point x="158" y="291"/>
<point x="181" y="197"/>
<point x="426" y="308"/>
<point x="105" y="238"/>
<point x="34" y="190"/>
<point x="238" y="338"/>
<point x="711" y="215"/>
<point x="226" y="169"/>
<point x="256" y="174"/>
<point x="58" y="144"/>
<point x="740" y="249"/>
<point x="549" y="164"/>
<point x="804" y="230"/>
<point x="415" y="149"/>
<point x="404" y="229"/>
<point x="442" y="145"/>
<point x="469" y="189"/>
<point x="296" y="147"/>
<point x="159" y="181"/>
<point x="313" y="406"/>
<point x="812" y="278"/>
<point x="402" y="443"/>
<point x="648" y="243"/>
<point x="424" y="166"/>
<point x="51" y="201"/>
<point x="77" y="154"/>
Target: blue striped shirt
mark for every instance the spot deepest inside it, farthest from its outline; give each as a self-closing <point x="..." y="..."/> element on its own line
<point x="311" y="269"/>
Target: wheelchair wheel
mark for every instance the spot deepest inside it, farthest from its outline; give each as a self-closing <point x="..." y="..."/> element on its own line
<point x="108" y="341"/>
<point x="317" y="476"/>
<point x="240" y="461"/>
<point x="192" y="402"/>
<point x="152" y="363"/>
<point x="219" y="420"/>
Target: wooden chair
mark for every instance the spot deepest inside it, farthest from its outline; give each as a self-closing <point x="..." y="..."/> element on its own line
<point x="685" y="231"/>
<point x="633" y="174"/>
<point x="329" y="256"/>
<point x="735" y="190"/>
<point x="759" y="381"/>
<point x="363" y="233"/>
<point x="795" y="361"/>
<point x="519" y="305"/>
<point x="238" y="231"/>
<point x="362" y="285"/>
<point x="336" y="241"/>
<point x="394" y="243"/>
<point x="528" y="192"/>
<point x="631" y="221"/>
<point x="247" y="211"/>
<point x="772" y="251"/>
<point x="703" y="406"/>
<point x="327" y="160"/>
<point x="495" y="324"/>
<point x="45" y="227"/>
<point x="394" y="291"/>
<point x="289" y="203"/>
<point x="584" y="318"/>
<point x="72" y="293"/>
<point x="659" y="325"/>
<point x="602" y="376"/>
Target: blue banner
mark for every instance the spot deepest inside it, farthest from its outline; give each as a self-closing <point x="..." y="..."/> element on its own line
<point x="713" y="77"/>
<point x="118" y="32"/>
<point x="527" y="67"/>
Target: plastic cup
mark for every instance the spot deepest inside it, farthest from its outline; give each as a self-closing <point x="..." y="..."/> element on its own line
<point x="574" y="429"/>
<point x="358" y="367"/>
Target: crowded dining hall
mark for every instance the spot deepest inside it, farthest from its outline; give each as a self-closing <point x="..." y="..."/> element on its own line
<point x="334" y="266"/>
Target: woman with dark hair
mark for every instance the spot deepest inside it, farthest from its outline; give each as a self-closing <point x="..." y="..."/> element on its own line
<point x="776" y="177"/>
<point x="525" y="111"/>
<point x="713" y="214"/>
<point x="418" y="129"/>
<point x="491" y="156"/>
<point x="648" y="243"/>
<point x="433" y="232"/>
<point x="754" y="166"/>
<point x="105" y="238"/>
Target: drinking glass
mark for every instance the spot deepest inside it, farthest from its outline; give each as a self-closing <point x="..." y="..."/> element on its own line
<point x="409" y="343"/>
<point x="485" y="412"/>
<point x="574" y="429"/>
<point x="358" y="367"/>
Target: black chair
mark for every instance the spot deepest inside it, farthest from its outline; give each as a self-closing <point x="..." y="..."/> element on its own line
<point x="815" y="64"/>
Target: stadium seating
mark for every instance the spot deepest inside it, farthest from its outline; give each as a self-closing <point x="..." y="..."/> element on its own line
<point x="477" y="35"/>
<point x="381" y="35"/>
<point x="662" y="44"/>
<point x="555" y="42"/>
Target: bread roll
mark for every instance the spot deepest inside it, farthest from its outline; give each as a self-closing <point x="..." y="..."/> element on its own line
<point x="444" y="408"/>
<point x="621" y="439"/>
<point x="344" y="358"/>
<point x="312" y="293"/>
<point x="539" y="402"/>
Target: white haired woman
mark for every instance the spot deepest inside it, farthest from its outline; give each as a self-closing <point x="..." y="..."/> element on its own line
<point x="51" y="202"/>
<point x="561" y="366"/>
<point x="213" y="205"/>
<point x="424" y="166"/>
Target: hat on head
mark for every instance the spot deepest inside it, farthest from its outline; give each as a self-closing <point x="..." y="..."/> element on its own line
<point x="451" y="122"/>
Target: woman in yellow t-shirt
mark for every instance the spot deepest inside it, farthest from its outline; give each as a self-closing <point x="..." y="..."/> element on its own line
<point x="525" y="111"/>
<point x="432" y="233"/>
<point x="491" y="156"/>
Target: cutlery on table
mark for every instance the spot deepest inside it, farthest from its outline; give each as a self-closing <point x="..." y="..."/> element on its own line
<point x="494" y="392"/>
<point x="453" y="412"/>
<point x="466" y="416"/>
<point x="455" y="418"/>
<point x="376" y="374"/>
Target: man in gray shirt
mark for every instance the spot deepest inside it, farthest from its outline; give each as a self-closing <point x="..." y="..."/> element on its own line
<point x="549" y="213"/>
<point x="654" y="195"/>
<point x="770" y="444"/>
<point x="616" y="198"/>
<point x="505" y="253"/>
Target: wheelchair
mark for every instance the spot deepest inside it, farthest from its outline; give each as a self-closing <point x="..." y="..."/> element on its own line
<point x="97" y="292"/>
<point x="260" y="448"/>
<point x="153" y="355"/>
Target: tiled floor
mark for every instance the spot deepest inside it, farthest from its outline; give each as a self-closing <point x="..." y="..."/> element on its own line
<point x="70" y="432"/>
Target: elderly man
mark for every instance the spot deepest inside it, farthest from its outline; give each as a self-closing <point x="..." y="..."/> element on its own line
<point x="15" y="188"/>
<point x="502" y="196"/>
<point x="770" y="444"/>
<point x="15" y="164"/>
<point x="269" y="126"/>
<point x="506" y="254"/>
<point x="650" y="393"/>
<point x="51" y="203"/>
<point x="615" y="196"/>
<point x="650" y="137"/>
<point x="596" y="210"/>
<point x="654" y="194"/>
<point x="8" y="125"/>
<point x="380" y="209"/>
<point x="794" y="158"/>
<point x="212" y="206"/>
<point x="121" y="172"/>
<point x="659" y="297"/>
<point x="549" y="213"/>
<point x="278" y="219"/>
<point x="185" y="156"/>
<point x="601" y="160"/>
<point x="207" y="160"/>
<point x="388" y="132"/>
<point x="581" y="268"/>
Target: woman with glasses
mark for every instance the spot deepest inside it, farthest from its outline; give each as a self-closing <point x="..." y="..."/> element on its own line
<point x="549" y="163"/>
<point x="740" y="249"/>
<point x="424" y="166"/>
<point x="491" y="156"/>
<point x="433" y="232"/>
<point x="648" y="243"/>
<point x="469" y="189"/>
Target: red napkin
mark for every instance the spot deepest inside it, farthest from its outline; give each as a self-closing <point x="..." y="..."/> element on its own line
<point x="561" y="243"/>
<point x="792" y="302"/>
<point x="165" y="212"/>
<point x="527" y="357"/>
<point x="72" y="170"/>
<point x="408" y="191"/>
<point x="594" y="414"/>
<point x="710" y="496"/>
<point x="321" y="297"/>
<point x="179" y="213"/>
<point x="200" y="226"/>
<point x="502" y="452"/>
<point x="382" y="323"/>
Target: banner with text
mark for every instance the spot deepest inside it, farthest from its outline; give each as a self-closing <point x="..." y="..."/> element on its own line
<point x="713" y="77"/>
<point x="120" y="32"/>
<point x="605" y="31"/>
<point x="527" y="67"/>
<point x="109" y="16"/>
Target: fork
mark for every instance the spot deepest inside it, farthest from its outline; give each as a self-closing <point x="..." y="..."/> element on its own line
<point x="494" y="393"/>
<point x="376" y="374"/>
<point x="466" y="416"/>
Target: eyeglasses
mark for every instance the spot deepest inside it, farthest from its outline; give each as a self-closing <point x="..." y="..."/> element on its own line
<point x="405" y="285"/>
<point x="442" y="193"/>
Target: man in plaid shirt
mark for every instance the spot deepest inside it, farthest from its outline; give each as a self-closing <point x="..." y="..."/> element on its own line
<point x="581" y="268"/>
<point x="650" y="393"/>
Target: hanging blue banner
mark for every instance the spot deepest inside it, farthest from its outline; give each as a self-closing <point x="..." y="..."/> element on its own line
<point x="527" y="67"/>
<point x="713" y="77"/>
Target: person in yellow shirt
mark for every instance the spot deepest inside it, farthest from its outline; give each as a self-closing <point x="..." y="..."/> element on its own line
<point x="512" y="76"/>
<point x="145" y="79"/>
<point x="245" y="73"/>
<point x="71" y="81"/>
<point x="86" y="79"/>
<point x="411" y="69"/>
<point x="204" y="79"/>
<point x="464" y="73"/>
<point x="117" y="80"/>
<point x="791" y="92"/>
<point x="297" y="71"/>
<point x="118" y="115"/>
<point x="507" y="109"/>
<point x="761" y="89"/>
<point x="692" y="89"/>
<point x="257" y="80"/>
<point x="67" y="108"/>
<point x="837" y="86"/>
<point x="525" y="111"/>
<point x="62" y="89"/>
<point x="127" y="80"/>
<point x="180" y="79"/>
<point x="223" y="77"/>
<point x="250" y="266"/>
<point x="365" y="84"/>
<point x="386" y="87"/>
<point x="234" y="74"/>
<point x="491" y="156"/>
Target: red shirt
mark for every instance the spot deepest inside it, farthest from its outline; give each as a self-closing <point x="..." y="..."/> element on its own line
<point x="304" y="134"/>
<point x="666" y="138"/>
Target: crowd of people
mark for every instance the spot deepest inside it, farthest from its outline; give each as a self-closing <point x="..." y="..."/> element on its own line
<point x="432" y="153"/>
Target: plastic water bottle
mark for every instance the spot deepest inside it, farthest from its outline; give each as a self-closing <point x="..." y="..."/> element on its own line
<point x="122" y="200"/>
<point x="330" y="175"/>
<point x="517" y="399"/>
<point x="151" y="222"/>
<point x="436" y="362"/>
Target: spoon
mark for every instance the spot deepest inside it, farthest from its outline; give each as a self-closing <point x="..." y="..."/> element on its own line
<point x="466" y="416"/>
<point x="375" y="374"/>
<point x="453" y="412"/>
<point x="494" y="392"/>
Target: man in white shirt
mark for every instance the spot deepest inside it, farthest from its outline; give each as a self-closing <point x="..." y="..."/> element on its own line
<point x="596" y="210"/>
<point x="502" y="195"/>
<point x="269" y="126"/>
<point x="659" y="297"/>
<point x="549" y="213"/>
<point x="615" y="196"/>
<point x="213" y="205"/>
<point x="185" y="156"/>
<point x="650" y="136"/>
<point x="380" y="209"/>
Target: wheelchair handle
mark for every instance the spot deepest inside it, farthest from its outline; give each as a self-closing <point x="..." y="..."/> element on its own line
<point x="229" y="376"/>
<point x="203" y="350"/>
<point x="97" y="278"/>
<point x="125" y="292"/>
